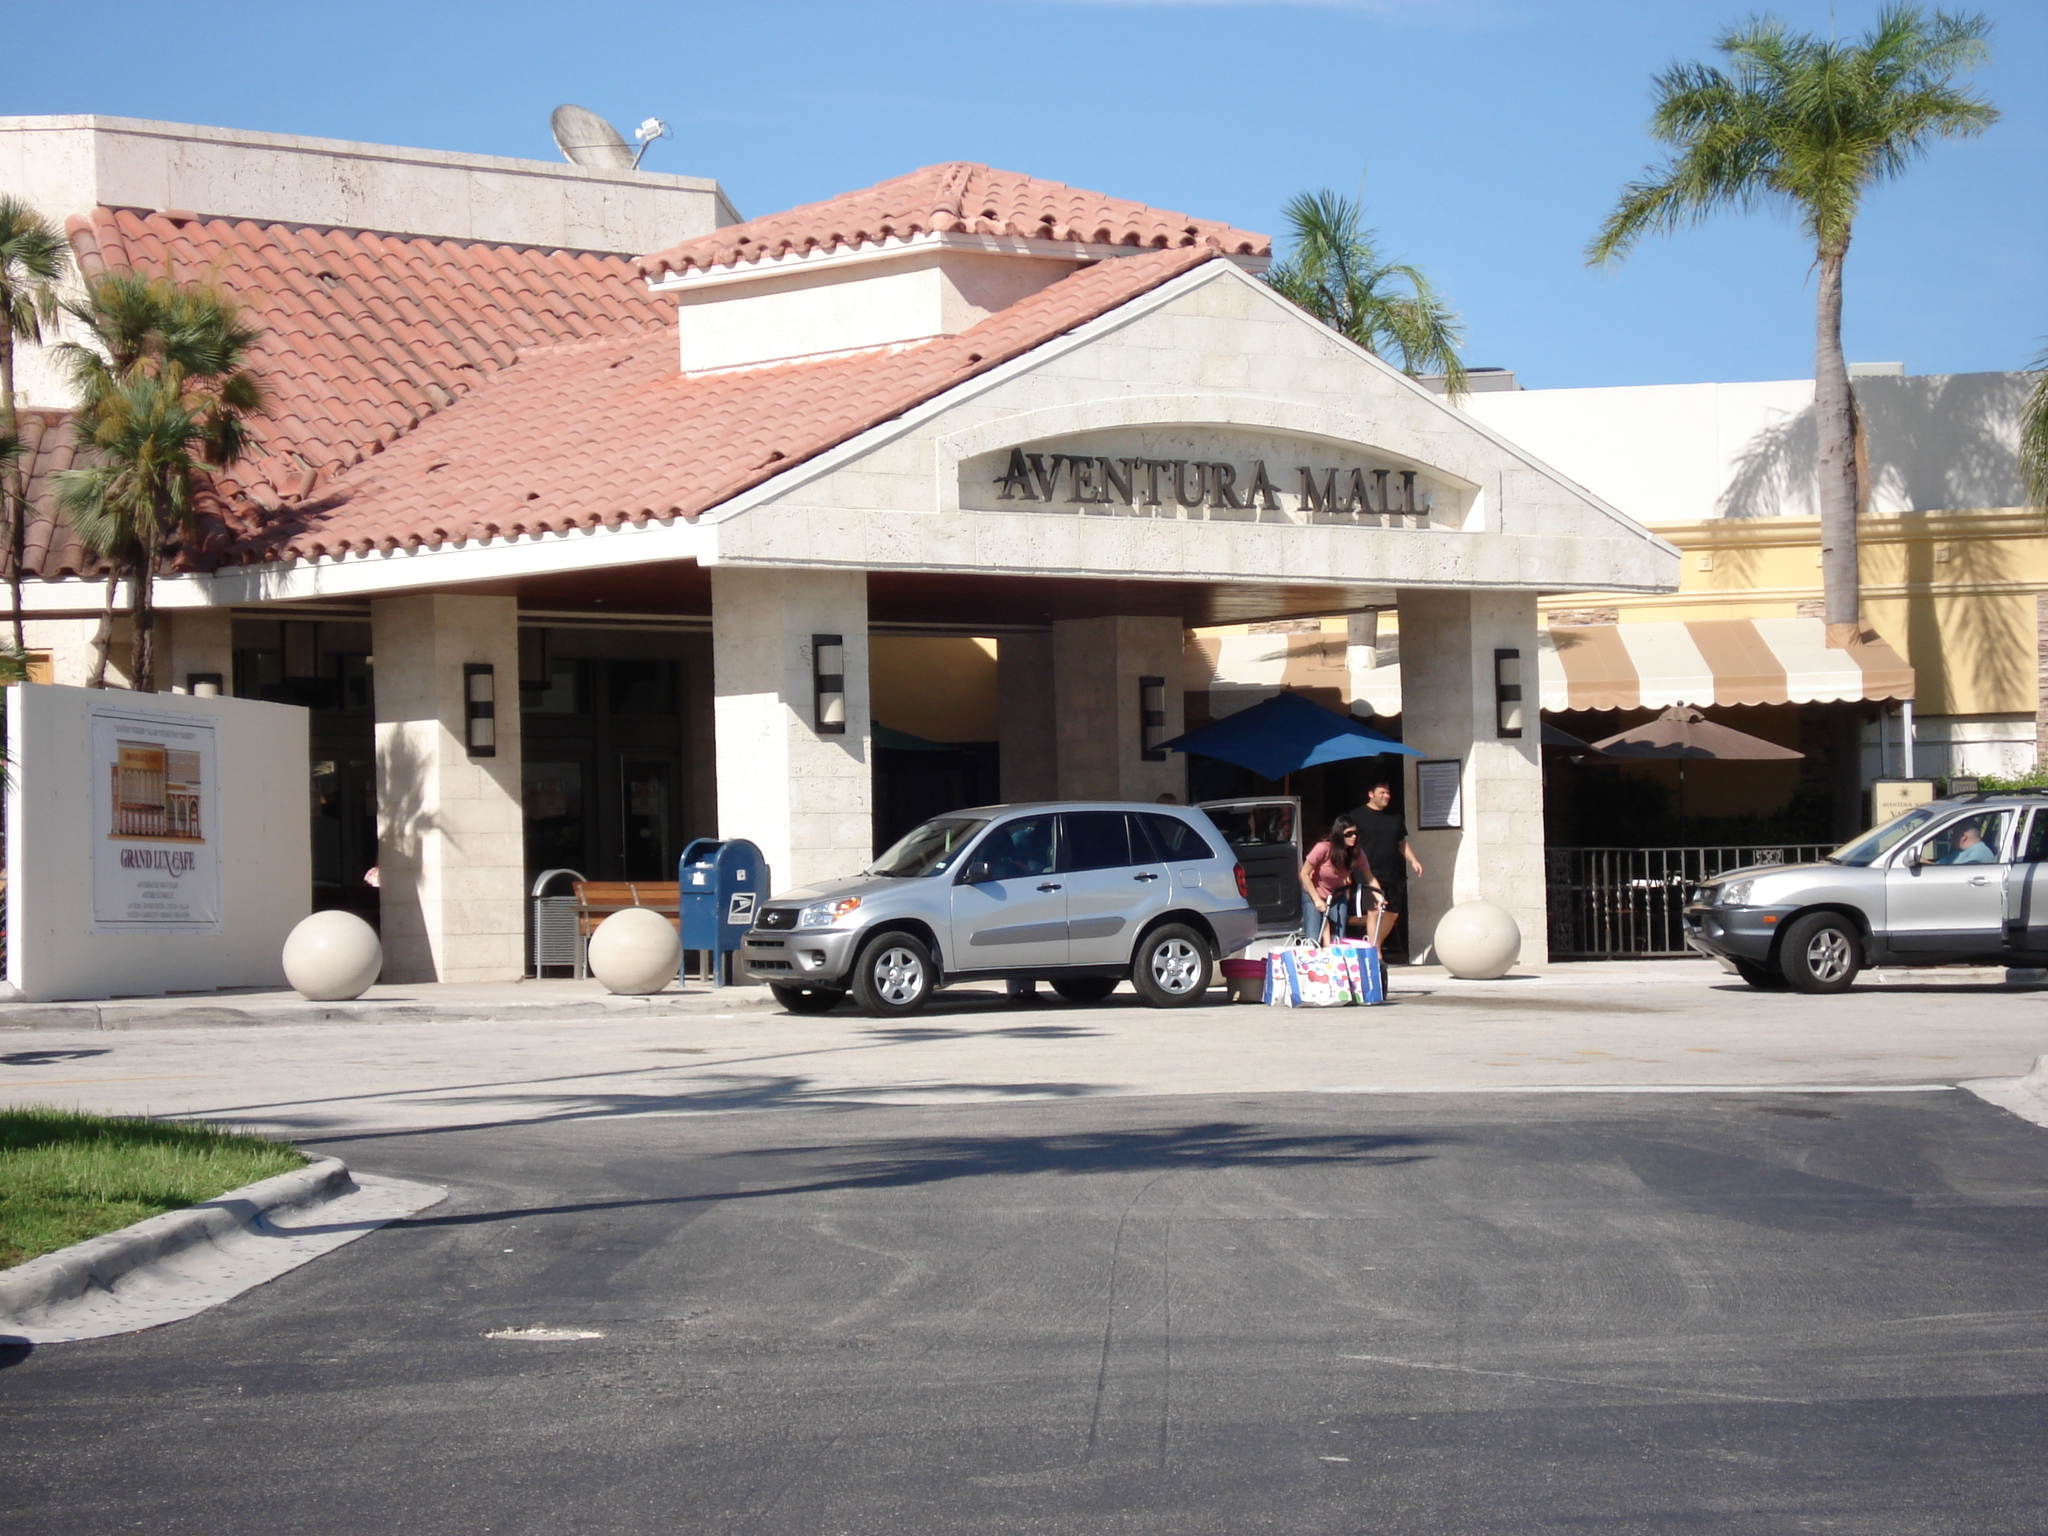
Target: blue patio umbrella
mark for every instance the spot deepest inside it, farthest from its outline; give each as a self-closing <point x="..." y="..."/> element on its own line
<point x="1285" y="734"/>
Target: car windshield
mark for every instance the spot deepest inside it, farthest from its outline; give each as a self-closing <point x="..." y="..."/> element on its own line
<point x="930" y="850"/>
<point x="1873" y="845"/>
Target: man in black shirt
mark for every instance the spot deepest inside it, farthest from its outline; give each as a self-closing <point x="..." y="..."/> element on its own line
<point x="1383" y="839"/>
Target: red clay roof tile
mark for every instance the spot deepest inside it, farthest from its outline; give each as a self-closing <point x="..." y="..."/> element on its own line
<point x="361" y="331"/>
<point x="957" y="198"/>
<point x="595" y="433"/>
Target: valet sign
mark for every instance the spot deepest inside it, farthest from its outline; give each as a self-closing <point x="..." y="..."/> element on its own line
<point x="156" y="833"/>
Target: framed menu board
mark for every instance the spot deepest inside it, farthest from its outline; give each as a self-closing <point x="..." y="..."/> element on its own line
<point x="1439" y="804"/>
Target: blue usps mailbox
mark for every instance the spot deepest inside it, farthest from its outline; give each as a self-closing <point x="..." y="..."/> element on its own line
<point x="720" y="884"/>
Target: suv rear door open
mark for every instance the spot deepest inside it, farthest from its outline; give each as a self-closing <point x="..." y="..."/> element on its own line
<point x="1265" y="834"/>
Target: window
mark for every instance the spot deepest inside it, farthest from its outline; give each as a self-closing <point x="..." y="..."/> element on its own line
<point x="1095" y="840"/>
<point x="2036" y="850"/>
<point x="1978" y="839"/>
<point x="1174" y="838"/>
<point x="1018" y="849"/>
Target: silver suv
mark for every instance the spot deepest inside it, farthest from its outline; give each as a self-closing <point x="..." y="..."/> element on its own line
<point x="1083" y="894"/>
<point x="1962" y="881"/>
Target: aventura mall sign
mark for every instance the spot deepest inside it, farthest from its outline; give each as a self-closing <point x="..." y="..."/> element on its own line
<point x="1183" y="486"/>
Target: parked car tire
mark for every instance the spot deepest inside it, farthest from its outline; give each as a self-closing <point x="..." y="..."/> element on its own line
<point x="1085" y="989"/>
<point x="796" y="999"/>
<point x="1763" y="977"/>
<point x="1821" y="952"/>
<point x="1172" y="966"/>
<point x="894" y="977"/>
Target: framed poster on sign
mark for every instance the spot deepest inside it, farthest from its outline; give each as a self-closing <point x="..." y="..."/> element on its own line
<point x="1439" y="804"/>
<point x="156" y="835"/>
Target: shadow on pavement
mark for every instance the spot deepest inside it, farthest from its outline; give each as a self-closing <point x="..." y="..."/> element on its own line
<point x="910" y="1161"/>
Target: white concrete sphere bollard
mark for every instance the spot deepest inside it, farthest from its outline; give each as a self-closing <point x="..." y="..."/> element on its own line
<point x="1477" y="941"/>
<point x="635" y="951"/>
<point x="332" y="956"/>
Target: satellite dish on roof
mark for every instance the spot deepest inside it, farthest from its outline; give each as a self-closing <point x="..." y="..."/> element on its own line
<point x="584" y="138"/>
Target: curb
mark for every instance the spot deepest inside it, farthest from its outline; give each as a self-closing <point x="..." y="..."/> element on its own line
<point x="102" y="1018"/>
<point x="100" y="1262"/>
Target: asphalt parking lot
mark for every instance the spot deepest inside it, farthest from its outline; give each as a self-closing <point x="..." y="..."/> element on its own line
<point x="997" y="1270"/>
<point x="1743" y="1312"/>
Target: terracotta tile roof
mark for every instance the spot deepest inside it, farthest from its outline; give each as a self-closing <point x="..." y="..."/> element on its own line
<point x="366" y="335"/>
<point x="604" y="432"/>
<point x="959" y="198"/>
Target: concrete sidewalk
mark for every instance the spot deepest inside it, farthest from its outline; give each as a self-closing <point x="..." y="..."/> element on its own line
<point x="555" y="998"/>
<point x="436" y="1002"/>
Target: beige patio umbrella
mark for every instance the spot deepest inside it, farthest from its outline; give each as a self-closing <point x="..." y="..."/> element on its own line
<point x="1683" y="733"/>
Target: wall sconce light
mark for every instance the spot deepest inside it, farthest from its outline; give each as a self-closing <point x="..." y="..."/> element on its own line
<point x="828" y="684"/>
<point x="480" y="709"/>
<point x="1151" y="718"/>
<point x="1507" y="694"/>
<point x="203" y="685"/>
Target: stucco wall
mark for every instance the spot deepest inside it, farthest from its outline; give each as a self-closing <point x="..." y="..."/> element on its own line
<point x="1679" y="453"/>
<point x="263" y="840"/>
<point x="66" y="165"/>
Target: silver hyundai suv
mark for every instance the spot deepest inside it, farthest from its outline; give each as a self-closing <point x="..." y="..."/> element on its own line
<point x="1083" y="894"/>
<point x="1962" y="881"/>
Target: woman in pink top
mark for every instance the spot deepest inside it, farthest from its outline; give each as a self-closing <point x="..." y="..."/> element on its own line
<point x="1331" y="868"/>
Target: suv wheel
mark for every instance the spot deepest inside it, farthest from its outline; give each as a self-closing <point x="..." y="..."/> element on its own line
<point x="1822" y="952"/>
<point x="893" y="977"/>
<point x="1763" y="977"/>
<point x="1085" y="989"/>
<point x="1171" y="968"/>
<point x="805" y="999"/>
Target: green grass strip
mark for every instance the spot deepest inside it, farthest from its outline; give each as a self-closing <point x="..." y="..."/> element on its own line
<point x="66" y="1176"/>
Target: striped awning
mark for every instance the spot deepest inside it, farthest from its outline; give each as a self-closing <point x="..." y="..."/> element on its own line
<point x="1599" y="666"/>
<point x="1713" y="661"/>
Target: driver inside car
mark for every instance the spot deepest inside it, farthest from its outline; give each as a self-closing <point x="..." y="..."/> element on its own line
<point x="1970" y="847"/>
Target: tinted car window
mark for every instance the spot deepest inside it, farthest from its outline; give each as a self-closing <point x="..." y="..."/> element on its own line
<point x="2036" y="850"/>
<point x="1095" y="840"/>
<point x="1174" y="838"/>
<point x="1018" y="848"/>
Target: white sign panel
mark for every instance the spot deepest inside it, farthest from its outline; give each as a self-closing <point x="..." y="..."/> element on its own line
<point x="1437" y="788"/>
<point x="156" y="823"/>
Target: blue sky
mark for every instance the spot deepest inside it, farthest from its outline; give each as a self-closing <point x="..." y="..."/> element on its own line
<point x="1489" y="137"/>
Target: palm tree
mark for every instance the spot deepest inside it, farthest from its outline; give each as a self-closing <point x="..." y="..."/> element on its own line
<point x="1810" y="125"/>
<point x="2034" y="436"/>
<point x="164" y="395"/>
<point x="1336" y="273"/>
<point x="32" y="255"/>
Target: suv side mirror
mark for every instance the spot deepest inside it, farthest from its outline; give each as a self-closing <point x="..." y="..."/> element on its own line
<point x="976" y="873"/>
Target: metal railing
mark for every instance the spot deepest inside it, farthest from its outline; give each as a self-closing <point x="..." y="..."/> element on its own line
<point x="1621" y="903"/>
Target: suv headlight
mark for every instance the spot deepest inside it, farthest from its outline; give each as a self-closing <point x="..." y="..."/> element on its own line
<point x="823" y="914"/>
<point x="1734" y="894"/>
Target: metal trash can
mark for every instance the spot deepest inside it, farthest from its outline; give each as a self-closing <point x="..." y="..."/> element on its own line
<point x="720" y="885"/>
<point x="554" y="939"/>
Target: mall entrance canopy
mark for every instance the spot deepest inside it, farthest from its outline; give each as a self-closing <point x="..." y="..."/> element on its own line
<point x="966" y="400"/>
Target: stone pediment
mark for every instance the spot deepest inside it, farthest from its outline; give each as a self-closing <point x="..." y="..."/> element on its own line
<point x="1168" y="440"/>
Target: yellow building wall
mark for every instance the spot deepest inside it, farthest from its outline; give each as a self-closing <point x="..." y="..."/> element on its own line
<point x="1952" y="592"/>
<point x="940" y="689"/>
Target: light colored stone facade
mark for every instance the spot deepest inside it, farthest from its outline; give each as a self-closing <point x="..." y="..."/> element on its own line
<point x="802" y="798"/>
<point x="450" y="835"/>
<point x="1097" y="665"/>
<point x="1448" y="641"/>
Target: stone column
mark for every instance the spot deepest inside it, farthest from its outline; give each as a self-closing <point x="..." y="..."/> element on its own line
<point x="1447" y="645"/>
<point x="1025" y="718"/>
<point x="199" y="640"/>
<point x="1096" y="665"/>
<point x="805" y="799"/>
<point x="451" y="839"/>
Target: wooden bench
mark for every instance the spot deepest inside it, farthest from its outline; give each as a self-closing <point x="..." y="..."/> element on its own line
<point x="597" y="900"/>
